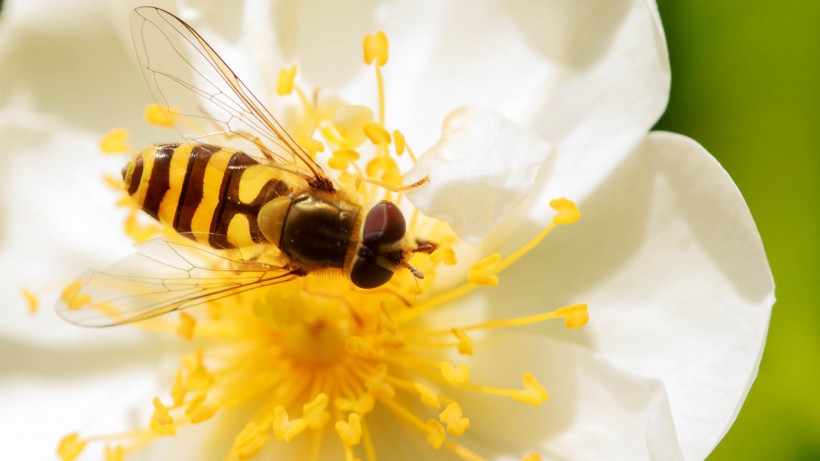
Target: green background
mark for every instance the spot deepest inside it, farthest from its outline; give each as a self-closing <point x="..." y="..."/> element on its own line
<point x="746" y="85"/>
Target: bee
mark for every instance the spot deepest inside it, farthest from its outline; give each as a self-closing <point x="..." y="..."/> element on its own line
<point x="239" y="208"/>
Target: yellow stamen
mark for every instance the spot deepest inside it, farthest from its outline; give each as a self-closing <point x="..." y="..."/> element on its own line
<point x="435" y="433"/>
<point x="186" y="325"/>
<point x="252" y="438"/>
<point x="375" y="48"/>
<point x="71" y="447"/>
<point x="31" y="301"/>
<point x="483" y="272"/>
<point x="363" y="405"/>
<point x="575" y="316"/>
<point x="533" y="393"/>
<point x="161" y="422"/>
<point x="286" y="429"/>
<point x="114" y="453"/>
<point x="444" y="254"/>
<point x="452" y="417"/>
<point x="350" y="431"/>
<point x="115" y="142"/>
<point x="178" y="389"/>
<point x="567" y="211"/>
<point x="72" y="297"/>
<point x="465" y="343"/>
<point x="314" y="411"/>
<point x="341" y="159"/>
<point x="455" y="374"/>
<point x="532" y="457"/>
<point x="427" y="396"/>
<point x="376" y="134"/>
<point x="165" y="117"/>
<point x="285" y="84"/>
<point x="349" y="122"/>
<point x="400" y="142"/>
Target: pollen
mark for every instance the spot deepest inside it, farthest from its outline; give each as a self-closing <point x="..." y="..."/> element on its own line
<point x="286" y="429"/>
<point x="455" y="374"/>
<point x="567" y="211"/>
<point x="427" y="396"/>
<point x="533" y="393"/>
<point x="483" y="272"/>
<point x="31" y="301"/>
<point x="444" y="254"/>
<point x="350" y="431"/>
<point x="186" y="325"/>
<point x="575" y="316"/>
<point x="165" y="117"/>
<point x="375" y="48"/>
<point x="71" y="446"/>
<point x="376" y="134"/>
<point x="285" y="84"/>
<point x="115" y="142"/>
<point x="452" y="417"/>
<point x="436" y="434"/>
<point x="400" y="142"/>
<point x="465" y="344"/>
<point x="532" y="457"/>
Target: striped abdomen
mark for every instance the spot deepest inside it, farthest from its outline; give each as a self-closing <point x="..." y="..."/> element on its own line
<point x="208" y="193"/>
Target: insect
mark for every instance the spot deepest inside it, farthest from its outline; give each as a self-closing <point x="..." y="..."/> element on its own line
<point x="258" y="215"/>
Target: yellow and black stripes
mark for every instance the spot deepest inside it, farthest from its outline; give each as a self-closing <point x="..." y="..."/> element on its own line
<point x="208" y="193"/>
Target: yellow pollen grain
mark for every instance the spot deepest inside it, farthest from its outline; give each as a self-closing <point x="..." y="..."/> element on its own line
<point x="533" y="393"/>
<point x="455" y="374"/>
<point x="161" y="421"/>
<point x="453" y="418"/>
<point x="114" y="453"/>
<point x="376" y="134"/>
<point x="251" y="439"/>
<point x="285" y="84"/>
<point x="575" y="316"/>
<point x="399" y="142"/>
<point x="138" y="232"/>
<point x="178" y="389"/>
<point x="165" y="117"/>
<point x="444" y="254"/>
<point x="71" y="447"/>
<point x="350" y="431"/>
<point x="186" y="325"/>
<point x="568" y="213"/>
<point x="73" y="298"/>
<point x="31" y="301"/>
<point x="341" y="159"/>
<point x="435" y="433"/>
<point x="284" y="428"/>
<point x="315" y="412"/>
<point x="363" y="405"/>
<point x="532" y="457"/>
<point x="197" y="411"/>
<point x="465" y="343"/>
<point x="115" y="142"/>
<point x="375" y="48"/>
<point x="484" y="271"/>
<point x="427" y="396"/>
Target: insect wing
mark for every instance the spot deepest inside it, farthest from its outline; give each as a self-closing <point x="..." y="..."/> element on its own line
<point x="162" y="277"/>
<point x="188" y="78"/>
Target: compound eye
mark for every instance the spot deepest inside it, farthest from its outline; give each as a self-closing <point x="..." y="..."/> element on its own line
<point x="384" y="224"/>
<point x="365" y="273"/>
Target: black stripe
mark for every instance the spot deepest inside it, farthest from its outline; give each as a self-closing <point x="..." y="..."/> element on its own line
<point x="229" y="203"/>
<point x="136" y="175"/>
<point x="194" y="182"/>
<point x="159" y="182"/>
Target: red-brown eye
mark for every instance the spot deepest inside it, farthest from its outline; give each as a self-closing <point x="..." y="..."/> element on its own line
<point x="384" y="224"/>
<point x="365" y="273"/>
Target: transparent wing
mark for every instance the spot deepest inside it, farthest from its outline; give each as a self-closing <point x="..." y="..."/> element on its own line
<point x="162" y="277"/>
<point x="188" y="78"/>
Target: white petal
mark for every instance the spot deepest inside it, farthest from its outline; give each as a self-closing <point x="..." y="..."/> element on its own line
<point x="482" y="167"/>
<point x="48" y="393"/>
<point x="59" y="218"/>
<point x="595" y="411"/>
<point x="671" y="264"/>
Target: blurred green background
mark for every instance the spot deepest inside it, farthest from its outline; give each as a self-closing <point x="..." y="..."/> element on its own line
<point x="746" y="85"/>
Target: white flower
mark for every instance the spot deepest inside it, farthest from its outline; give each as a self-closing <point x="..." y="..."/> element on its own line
<point x="667" y="256"/>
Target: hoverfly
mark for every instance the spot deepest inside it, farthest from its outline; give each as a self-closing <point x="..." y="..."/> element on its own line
<point x="240" y="209"/>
